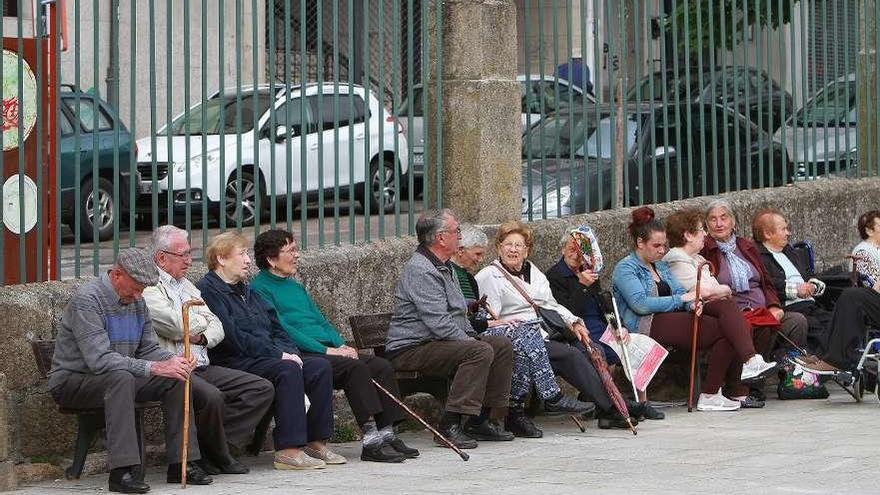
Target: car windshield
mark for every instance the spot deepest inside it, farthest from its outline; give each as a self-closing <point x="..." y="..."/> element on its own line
<point x="600" y="142"/>
<point x="833" y="105"/>
<point x="205" y="119"/>
<point x="666" y="85"/>
<point x="558" y="135"/>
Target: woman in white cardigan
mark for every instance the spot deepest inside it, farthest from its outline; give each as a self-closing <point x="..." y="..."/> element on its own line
<point x="513" y="243"/>
<point x="685" y="233"/>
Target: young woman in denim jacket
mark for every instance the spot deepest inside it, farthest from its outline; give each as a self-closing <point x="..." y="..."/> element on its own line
<point x="655" y="304"/>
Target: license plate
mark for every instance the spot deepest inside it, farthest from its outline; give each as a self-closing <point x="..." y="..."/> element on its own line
<point x="418" y="159"/>
<point x="146" y="187"/>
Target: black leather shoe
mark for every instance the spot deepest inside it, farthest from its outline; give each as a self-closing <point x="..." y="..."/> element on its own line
<point x="123" y="480"/>
<point x="455" y="434"/>
<point x="614" y="419"/>
<point x="488" y="431"/>
<point x="407" y="451"/>
<point x="520" y="425"/>
<point x="567" y="405"/>
<point x="643" y="410"/>
<point x="194" y="474"/>
<point x="231" y="466"/>
<point x="381" y="452"/>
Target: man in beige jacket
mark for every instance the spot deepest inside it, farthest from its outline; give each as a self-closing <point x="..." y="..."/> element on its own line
<point x="228" y="403"/>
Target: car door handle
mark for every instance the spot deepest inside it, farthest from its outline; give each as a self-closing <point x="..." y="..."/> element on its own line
<point x="359" y="137"/>
<point x="313" y="146"/>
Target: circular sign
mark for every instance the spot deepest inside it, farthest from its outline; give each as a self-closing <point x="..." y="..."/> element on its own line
<point x="17" y="196"/>
<point x="18" y="115"/>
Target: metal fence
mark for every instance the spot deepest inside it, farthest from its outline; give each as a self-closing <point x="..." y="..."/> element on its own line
<point x="634" y="102"/>
<point x="245" y="114"/>
<point x="308" y="114"/>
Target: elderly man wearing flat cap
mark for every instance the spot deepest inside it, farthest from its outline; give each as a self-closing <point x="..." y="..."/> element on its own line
<point x="107" y="356"/>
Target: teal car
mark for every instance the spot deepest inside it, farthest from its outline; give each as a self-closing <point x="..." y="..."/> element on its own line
<point x="88" y="137"/>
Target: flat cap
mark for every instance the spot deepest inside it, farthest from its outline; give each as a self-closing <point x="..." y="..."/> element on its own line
<point x="138" y="266"/>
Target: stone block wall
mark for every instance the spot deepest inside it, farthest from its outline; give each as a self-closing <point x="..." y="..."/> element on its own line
<point x="361" y="279"/>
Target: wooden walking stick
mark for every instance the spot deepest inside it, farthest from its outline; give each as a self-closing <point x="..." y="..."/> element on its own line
<point x="186" y="354"/>
<point x="424" y="423"/>
<point x="694" y="335"/>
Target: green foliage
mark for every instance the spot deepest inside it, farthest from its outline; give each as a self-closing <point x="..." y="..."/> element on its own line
<point x="723" y="23"/>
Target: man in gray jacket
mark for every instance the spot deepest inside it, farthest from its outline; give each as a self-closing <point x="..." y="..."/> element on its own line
<point x="228" y="403"/>
<point x="106" y="356"/>
<point x="430" y="333"/>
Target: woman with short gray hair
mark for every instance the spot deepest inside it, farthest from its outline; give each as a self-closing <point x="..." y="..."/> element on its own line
<point x="531" y="363"/>
<point x="739" y="266"/>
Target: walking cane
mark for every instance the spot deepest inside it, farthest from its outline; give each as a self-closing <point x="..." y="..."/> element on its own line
<point x="186" y="354"/>
<point x="424" y="423"/>
<point x="694" y="334"/>
<point x="625" y="352"/>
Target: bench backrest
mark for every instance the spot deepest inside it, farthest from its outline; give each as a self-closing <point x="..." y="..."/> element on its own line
<point x="43" y="351"/>
<point x="370" y="331"/>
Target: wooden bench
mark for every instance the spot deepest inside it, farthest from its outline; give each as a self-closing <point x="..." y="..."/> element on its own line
<point x="370" y="332"/>
<point x="89" y="420"/>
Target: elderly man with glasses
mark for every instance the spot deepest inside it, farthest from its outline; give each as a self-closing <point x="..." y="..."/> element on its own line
<point x="228" y="403"/>
<point x="430" y="333"/>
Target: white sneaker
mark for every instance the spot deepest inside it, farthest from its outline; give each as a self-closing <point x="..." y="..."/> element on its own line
<point x="756" y="368"/>
<point x="716" y="402"/>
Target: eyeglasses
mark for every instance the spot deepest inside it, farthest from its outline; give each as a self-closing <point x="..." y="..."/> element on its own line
<point x="185" y="254"/>
<point x="513" y="245"/>
<point x="291" y="250"/>
<point x="457" y="231"/>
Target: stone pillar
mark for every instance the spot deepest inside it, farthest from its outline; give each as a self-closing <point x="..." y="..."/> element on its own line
<point x="480" y="110"/>
<point x="7" y="467"/>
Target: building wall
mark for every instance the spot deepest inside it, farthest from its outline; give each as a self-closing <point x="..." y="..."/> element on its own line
<point x="169" y="42"/>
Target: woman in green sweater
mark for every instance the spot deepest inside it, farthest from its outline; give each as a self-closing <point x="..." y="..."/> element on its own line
<point x="277" y="256"/>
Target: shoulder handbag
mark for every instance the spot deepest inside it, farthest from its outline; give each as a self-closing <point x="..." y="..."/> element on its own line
<point x="551" y="321"/>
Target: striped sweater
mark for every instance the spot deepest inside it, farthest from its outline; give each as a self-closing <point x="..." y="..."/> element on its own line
<point x="99" y="334"/>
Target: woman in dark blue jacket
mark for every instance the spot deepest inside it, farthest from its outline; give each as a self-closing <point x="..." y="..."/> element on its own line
<point x="255" y="342"/>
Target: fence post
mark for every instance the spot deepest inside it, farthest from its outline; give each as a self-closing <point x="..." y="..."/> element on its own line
<point x="866" y="89"/>
<point x="480" y="103"/>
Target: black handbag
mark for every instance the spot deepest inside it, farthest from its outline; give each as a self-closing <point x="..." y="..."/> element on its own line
<point x="551" y="321"/>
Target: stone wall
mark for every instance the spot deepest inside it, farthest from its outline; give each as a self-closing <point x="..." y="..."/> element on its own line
<point x="361" y="279"/>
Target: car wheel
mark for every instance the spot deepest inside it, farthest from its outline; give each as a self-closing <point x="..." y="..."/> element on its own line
<point x="382" y="190"/>
<point x="96" y="208"/>
<point x="251" y="186"/>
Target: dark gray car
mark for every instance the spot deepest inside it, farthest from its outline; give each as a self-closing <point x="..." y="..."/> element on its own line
<point x="670" y="153"/>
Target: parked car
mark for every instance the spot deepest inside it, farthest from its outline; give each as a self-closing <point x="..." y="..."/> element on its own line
<point x="747" y="90"/>
<point x="298" y="134"/>
<point x="821" y="137"/>
<point x="89" y="129"/>
<point x="538" y="98"/>
<point x="568" y="157"/>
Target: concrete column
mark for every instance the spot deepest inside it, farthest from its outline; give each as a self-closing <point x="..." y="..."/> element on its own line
<point x="480" y="114"/>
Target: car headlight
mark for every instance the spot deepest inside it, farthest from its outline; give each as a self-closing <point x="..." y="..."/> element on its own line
<point x="553" y="196"/>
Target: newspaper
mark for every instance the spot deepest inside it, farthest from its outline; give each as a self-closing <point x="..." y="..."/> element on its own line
<point x="645" y="356"/>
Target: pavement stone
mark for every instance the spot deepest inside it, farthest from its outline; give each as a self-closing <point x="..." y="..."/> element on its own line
<point x="791" y="447"/>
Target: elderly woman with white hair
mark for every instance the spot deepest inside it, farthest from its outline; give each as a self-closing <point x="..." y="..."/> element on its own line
<point x="531" y="364"/>
<point x="739" y="267"/>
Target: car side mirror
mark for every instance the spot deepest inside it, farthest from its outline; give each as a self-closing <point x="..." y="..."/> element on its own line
<point x="664" y="152"/>
<point x="282" y="132"/>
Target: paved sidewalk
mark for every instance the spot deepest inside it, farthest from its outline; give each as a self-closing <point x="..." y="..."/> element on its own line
<point x="809" y="447"/>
